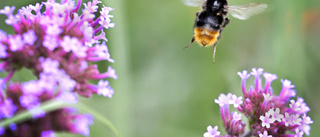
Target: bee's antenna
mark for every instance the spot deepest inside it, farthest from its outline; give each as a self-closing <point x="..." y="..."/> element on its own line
<point x="192" y="40"/>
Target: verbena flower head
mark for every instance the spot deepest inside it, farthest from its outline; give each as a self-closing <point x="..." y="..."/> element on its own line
<point x="269" y="115"/>
<point x="59" y="46"/>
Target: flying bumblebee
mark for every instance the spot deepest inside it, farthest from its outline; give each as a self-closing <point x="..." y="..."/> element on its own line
<point x="211" y="20"/>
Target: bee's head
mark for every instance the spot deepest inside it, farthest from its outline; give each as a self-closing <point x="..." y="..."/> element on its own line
<point x="214" y="5"/>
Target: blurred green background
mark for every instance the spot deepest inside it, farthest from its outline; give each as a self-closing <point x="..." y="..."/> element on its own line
<point x="165" y="91"/>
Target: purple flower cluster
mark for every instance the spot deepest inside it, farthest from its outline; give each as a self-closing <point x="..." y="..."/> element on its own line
<point x="60" y="47"/>
<point x="269" y="115"/>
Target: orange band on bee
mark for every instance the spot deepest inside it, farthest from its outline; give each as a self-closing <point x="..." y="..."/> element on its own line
<point x="205" y="36"/>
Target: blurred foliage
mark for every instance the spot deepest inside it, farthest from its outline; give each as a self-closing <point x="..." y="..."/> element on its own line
<point x="165" y="91"/>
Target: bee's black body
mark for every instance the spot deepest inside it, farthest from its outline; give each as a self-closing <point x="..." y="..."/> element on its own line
<point x="213" y="15"/>
<point x="208" y="20"/>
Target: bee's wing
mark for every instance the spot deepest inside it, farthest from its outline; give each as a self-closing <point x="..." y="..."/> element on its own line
<point x="244" y="12"/>
<point x="193" y="3"/>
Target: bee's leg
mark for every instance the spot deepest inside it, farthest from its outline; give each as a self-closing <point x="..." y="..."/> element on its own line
<point x="226" y="22"/>
<point x="214" y="53"/>
<point x="192" y="40"/>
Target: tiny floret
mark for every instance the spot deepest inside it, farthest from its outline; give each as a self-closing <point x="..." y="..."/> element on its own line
<point x="275" y="114"/>
<point x="236" y="101"/>
<point x="266" y="120"/>
<point x="236" y="116"/>
<point x="212" y="132"/>
<point x="244" y="75"/>
<point x="223" y="99"/>
<point x="257" y="72"/>
<point x="265" y="134"/>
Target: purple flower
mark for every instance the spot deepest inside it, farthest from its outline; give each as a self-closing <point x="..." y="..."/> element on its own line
<point x="12" y="20"/>
<point x="306" y="119"/>
<point x="48" y="133"/>
<point x="223" y="99"/>
<point x="47" y="82"/>
<point x="68" y="44"/>
<point x="81" y="124"/>
<point x="305" y="128"/>
<point x="236" y="116"/>
<point x="101" y="36"/>
<point x="212" y="132"/>
<point x="104" y="89"/>
<point x="29" y="37"/>
<point x="105" y="22"/>
<point x="266" y="120"/>
<point x="66" y="83"/>
<point x="111" y="73"/>
<point x="100" y="52"/>
<point x="68" y="97"/>
<point x="53" y="30"/>
<point x="265" y="134"/>
<point x="244" y="76"/>
<point x="1" y="130"/>
<point x="276" y="116"/>
<point x="59" y="43"/>
<point x="49" y="66"/>
<point x="3" y="51"/>
<point x="91" y="6"/>
<point x="13" y="126"/>
<point x="266" y="97"/>
<point x="236" y="101"/>
<point x="59" y="34"/>
<point x="105" y="12"/>
<point x="37" y="112"/>
<point x="74" y="45"/>
<point x="29" y="101"/>
<point x="36" y="8"/>
<point x="50" y="42"/>
<point x="31" y="88"/>
<point x="257" y="72"/>
<point x="16" y="43"/>
<point x="7" y="109"/>
<point x="299" y="133"/>
<point x="269" y="114"/>
<point x="269" y="78"/>
<point x="7" y="10"/>
<point x="3" y="35"/>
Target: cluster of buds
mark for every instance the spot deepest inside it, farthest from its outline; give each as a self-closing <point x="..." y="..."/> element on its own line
<point x="60" y="47"/>
<point x="269" y="115"/>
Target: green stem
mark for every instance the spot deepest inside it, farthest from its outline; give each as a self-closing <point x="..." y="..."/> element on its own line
<point x="25" y="115"/>
<point x="54" y="105"/>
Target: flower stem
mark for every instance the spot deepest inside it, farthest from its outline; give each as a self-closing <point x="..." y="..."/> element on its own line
<point x="25" y="115"/>
<point x="5" y="80"/>
<point x="52" y="105"/>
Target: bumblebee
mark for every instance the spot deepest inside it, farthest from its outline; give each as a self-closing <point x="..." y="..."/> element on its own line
<point x="212" y="19"/>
